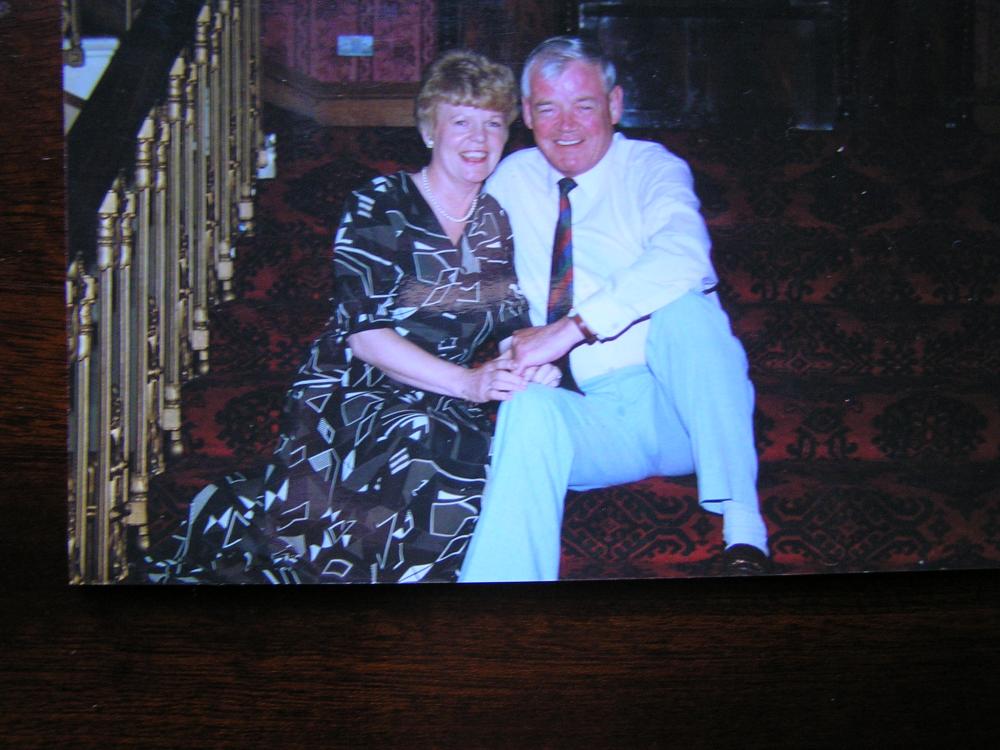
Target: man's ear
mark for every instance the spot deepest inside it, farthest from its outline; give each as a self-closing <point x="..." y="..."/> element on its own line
<point x="615" y="99"/>
<point x="526" y="111"/>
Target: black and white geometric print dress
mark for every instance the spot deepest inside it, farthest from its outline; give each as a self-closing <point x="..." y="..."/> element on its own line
<point x="372" y="480"/>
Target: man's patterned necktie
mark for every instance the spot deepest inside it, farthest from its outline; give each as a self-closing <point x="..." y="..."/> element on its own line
<point x="561" y="283"/>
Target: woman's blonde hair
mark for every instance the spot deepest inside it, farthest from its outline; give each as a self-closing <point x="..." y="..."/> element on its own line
<point x="461" y="77"/>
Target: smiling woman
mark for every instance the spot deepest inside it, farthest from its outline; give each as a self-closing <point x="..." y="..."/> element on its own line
<point x="463" y="118"/>
<point x="379" y="470"/>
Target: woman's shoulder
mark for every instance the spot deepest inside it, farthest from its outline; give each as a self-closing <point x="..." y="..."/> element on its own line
<point x="384" y="188"/>
<point x="489" y="205"/>
<point x="382" y="200"/>
<point x="490" y="219"/>
<point x="489" y="202"/>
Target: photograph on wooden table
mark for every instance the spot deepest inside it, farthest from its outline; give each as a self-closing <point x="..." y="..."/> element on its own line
<point x="436" y="291"/>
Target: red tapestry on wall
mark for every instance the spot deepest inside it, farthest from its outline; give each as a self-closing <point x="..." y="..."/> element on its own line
<point x="302" y="36"/>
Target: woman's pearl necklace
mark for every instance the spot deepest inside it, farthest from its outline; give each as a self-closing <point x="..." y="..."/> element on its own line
<point x="445" y="214"/>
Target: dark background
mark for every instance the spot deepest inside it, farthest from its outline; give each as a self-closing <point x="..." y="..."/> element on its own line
<point x="829" y="661"/>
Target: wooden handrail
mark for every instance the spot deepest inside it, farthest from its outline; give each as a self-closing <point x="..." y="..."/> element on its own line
<point x="102" y="140"/>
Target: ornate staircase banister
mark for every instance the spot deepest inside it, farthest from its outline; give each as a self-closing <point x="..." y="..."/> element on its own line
<point x="161" y="172"/>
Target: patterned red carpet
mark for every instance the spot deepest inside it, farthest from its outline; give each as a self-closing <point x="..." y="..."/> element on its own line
<point x="861" y="270"/>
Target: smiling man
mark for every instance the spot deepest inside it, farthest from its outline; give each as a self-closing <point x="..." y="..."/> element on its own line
<point x="614" y="258"/>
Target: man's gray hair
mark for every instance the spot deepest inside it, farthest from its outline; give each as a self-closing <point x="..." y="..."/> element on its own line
<point x="552" y="56"/>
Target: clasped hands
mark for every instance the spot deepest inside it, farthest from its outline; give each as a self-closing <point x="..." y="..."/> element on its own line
<point x="526" y="357"/>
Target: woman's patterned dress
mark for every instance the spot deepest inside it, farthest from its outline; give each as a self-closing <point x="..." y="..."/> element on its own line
<point x="373" y="480"/>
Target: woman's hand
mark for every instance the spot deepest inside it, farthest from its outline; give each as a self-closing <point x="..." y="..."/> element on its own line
<point x="493" y="381"/>
<point x="404" y="361"/>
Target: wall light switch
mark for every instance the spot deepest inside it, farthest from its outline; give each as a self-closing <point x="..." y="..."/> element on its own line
<point x="355" y="45"/>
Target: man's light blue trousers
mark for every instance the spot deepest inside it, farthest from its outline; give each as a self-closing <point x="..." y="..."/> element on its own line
<point x="690" y="409"/>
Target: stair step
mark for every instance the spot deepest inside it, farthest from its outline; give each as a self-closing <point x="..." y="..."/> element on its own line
<point x="780" y="338"/>
<point x="818" y="419"/>
<point x="875" y="420"/>
<point x="287" y="260"/>
<point x="231" y="419"/>
<point x="264" y="336"/>
<point x="929" y="263"/>
<point x="955" y="341"/>
<point x="838" y="517"/>
<point x="847" y="517"/>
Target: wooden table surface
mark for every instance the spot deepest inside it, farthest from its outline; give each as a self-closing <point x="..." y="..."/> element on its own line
<point x="882" y="661"/>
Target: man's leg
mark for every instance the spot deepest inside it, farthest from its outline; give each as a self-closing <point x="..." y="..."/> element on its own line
<point x="702" y="370"/>
<point x="517" y="536"/>
<point x="548" y="440"/>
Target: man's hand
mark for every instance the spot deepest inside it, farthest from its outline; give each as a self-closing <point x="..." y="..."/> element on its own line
<point x="549" y="375"/>
<point x="541" y="345"/>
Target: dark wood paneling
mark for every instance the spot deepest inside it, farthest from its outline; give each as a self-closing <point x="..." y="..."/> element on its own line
<point x="876" y="661"/>
<point x="347" y="105"/>
<point x="723" y="63"/>
<point x="807" y="63"/>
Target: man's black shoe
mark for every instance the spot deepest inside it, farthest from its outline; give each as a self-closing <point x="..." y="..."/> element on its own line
<point x="745" y="560"/>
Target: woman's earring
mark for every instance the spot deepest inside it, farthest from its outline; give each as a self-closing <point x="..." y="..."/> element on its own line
<point x="430" y="144"/>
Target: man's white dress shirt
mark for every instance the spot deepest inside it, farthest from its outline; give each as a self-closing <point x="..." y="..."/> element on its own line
<point x="639" y="242"/>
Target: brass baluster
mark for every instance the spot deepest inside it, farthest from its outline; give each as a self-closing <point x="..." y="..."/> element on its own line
<point x="198" y="124"/>
<point x="174" y="331"/>
<point x="159" y="302"/>
<point x="81" y="296"/>
<point x="245" y="158"/>
<point x="232" y="85"/>
<point x="145" y="349"/>
<point x="220" y="109"/>
<point x="255" y="140"/>
<point x="180" y="188"/>
<point x="72" y="56"/>
<point x="133" y="387"/>
<point x="101" y="511"/>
